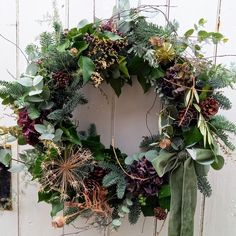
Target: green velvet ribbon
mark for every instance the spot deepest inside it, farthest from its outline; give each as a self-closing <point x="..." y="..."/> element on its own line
<point x="183" y="183"/>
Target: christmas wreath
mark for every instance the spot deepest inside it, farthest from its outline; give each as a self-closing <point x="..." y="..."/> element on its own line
<point x="81" y="176"/>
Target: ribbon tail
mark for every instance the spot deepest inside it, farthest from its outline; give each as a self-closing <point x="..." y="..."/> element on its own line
<point x="183" y="183"/>
<point x="176" y="186"/>
<point x="189" y="198"/>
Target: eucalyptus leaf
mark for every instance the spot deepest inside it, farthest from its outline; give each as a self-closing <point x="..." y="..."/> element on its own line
<point x="40" y="128"/>
<point x="58" y="135"/>
<point x="16" y="168"/>
<point x="47" y="136"/>
<point x="32" y="69"/>
<point x="37" y="79"/>
<point x="25" y="81"/>
<point x="35" y="92"/>
<point x="116" y="222"/>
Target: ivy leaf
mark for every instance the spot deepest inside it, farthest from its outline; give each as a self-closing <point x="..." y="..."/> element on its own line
<point x="87" y="66"/>
<point x="71" y="135"/>
<point x="123" y="67"/>
<point x="116" y="84"/>
<point x="81" y="46"/>
<point x="64" y="46"/>
<point x="5" y="157"/>
<point x="56" y="207"/>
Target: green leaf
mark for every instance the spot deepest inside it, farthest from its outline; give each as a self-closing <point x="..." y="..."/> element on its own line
<point x="164" y="191"/>
<point x="123" y="68"/>
<point x="203" y="35"/>
<point x="116" y="84"/>
<point x="192" y="136"/>
<point x="188" y="33"/>
<point x="80" y="46"/>
<point x="202" y="22"/>
<point x="165" y="203"/>
<point x="21" y="140"/>
<point x="87" y="66"/>
<point x="218" y="163"/>
<point x="202" y="156"/>
<point x="57" y="206"/>
<point x="5" y="157"/>
<point x="71" y="135"/>
<point x="64" y="46"/>
<point x="144" y="83"/>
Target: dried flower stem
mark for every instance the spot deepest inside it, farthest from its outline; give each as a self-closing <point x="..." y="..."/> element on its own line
<point x="122" y="168"/>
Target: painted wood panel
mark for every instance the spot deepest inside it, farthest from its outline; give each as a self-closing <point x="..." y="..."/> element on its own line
<point x="111" y="113"/>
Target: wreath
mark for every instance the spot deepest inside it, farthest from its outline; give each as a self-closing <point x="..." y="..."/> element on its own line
<point x="81" y="176"/>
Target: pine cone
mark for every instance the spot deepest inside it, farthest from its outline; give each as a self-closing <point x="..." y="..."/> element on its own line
<point x="97" y="174"/>
<point x="61" y="79"/>
<point x="176" y="80"/>
<point x="186" y="117"/>
<point x="209" y="107"/>
<point x="160" y="213"/>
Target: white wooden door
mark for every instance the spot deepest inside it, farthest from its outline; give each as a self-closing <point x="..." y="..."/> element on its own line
<point x="21" y="21"/>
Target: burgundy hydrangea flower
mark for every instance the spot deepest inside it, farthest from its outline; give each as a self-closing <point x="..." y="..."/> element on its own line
<point x="27" y="125"/>
<point x="146" y="181"/>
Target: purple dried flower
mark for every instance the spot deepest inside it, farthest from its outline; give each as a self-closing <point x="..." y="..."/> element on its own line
<point x="27" y="125"/>
<point x="146" y="181"/>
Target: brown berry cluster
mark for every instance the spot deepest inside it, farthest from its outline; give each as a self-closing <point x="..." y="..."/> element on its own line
<point x="104" y="52"/>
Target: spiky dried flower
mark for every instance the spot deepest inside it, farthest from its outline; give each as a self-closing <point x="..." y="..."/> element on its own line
<point x="67" y="171"/>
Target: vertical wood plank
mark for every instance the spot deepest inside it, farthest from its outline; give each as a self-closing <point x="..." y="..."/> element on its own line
<point x="8" y="63"/>
<point x="98" y="110"/>
<point x="220" y="212"/>
<point x="34" y="18"/>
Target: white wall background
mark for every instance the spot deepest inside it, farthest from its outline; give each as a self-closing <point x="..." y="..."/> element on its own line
<point x="21" y="21"/>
